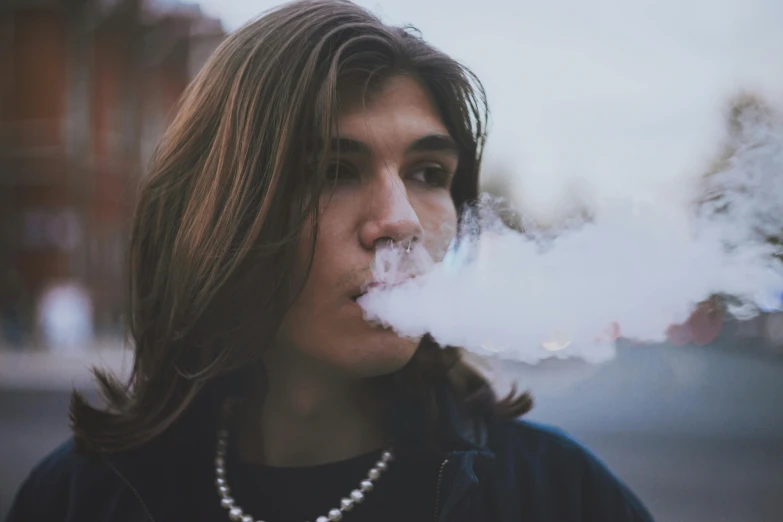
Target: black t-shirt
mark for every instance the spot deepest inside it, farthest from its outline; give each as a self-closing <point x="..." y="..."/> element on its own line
<point x="405" y="491"/>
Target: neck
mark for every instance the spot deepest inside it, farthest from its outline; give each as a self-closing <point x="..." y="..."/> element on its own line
<point x="308" y="416"/>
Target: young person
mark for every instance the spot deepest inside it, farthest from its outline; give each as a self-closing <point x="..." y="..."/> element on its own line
<point x="312" y="137"/>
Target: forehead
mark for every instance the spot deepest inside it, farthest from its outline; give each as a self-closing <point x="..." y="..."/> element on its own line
<point x="398" y="105"/>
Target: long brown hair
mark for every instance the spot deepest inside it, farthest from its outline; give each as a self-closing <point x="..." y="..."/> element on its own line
<point x="233" y="181"/>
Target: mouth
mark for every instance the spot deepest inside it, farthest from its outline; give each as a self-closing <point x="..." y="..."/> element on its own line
<point x="366" y="288"/>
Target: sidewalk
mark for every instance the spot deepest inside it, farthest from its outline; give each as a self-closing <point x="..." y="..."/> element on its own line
<point x="44" y="370"/>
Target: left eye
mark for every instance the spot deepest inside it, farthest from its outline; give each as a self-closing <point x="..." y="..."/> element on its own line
<point x="434" y="175"/>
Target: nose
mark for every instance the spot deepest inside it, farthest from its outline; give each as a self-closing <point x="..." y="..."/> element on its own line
<point x="391" y="217"/>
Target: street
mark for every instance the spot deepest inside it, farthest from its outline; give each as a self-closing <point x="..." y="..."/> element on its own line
<point x="696" y="432"/>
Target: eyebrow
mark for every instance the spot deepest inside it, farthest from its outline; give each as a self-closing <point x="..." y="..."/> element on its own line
<point x="428" y="143"/>
<point x="349" y="146"/>
<point x="434" y="143"/>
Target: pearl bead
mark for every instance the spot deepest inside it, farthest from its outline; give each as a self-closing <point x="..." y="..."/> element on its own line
<point x="236" y="513"/>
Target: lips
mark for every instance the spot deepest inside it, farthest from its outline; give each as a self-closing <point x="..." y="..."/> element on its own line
<point x="366" y="289"/>
<point x="378" y="284"/>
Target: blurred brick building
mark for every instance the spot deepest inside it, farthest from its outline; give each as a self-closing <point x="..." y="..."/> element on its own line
<point x="86" y="89"/>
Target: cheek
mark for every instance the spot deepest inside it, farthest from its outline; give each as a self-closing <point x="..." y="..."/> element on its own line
<point x="439" y="221"/>
<point x="334" y="226"/>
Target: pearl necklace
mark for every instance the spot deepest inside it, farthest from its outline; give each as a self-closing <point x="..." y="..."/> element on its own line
<point x="237" y="513"/>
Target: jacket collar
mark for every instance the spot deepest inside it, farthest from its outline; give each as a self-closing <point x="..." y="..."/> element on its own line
<point x="153" y="467"/>
<point x="466" y="433"/>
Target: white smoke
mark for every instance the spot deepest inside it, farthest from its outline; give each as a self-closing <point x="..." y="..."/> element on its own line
<point x="538" y="294"/>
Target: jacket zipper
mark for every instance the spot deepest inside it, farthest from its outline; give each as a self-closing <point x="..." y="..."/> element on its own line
<point x="438" y="488"/>
<point x="136" y="493"/>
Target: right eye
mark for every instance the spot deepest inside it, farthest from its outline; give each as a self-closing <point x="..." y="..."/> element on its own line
<point x="340" y="172"/>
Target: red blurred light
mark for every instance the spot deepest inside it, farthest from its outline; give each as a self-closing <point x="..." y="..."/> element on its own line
<point x="705" y="324"/>
<point x="679" y="334"/>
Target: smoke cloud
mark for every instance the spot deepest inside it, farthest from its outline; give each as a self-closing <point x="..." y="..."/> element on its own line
<point x="528" y="293"/>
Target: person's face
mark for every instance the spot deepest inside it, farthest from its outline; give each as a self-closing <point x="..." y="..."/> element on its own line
<point x="396" y="166"/>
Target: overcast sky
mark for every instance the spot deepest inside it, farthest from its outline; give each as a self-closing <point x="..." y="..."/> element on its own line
<point x="622" y="97"/>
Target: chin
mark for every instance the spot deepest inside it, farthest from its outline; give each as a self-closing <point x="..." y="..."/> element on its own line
<point x="383" y="356"/>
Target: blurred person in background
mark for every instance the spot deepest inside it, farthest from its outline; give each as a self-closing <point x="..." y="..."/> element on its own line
<point x="313" y="136"/>
<point x="65" y="316"/>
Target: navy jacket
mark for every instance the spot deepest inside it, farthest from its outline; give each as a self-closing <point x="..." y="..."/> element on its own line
<point x="511" y="472"/>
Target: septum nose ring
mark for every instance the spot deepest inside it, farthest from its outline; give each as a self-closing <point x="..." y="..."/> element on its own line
<point x="408" y="245"/>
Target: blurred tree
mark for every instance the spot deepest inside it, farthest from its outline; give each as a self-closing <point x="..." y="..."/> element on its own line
<point x="746" y="114"/>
